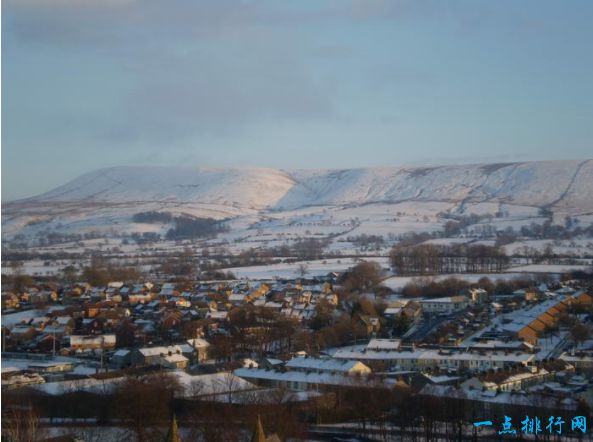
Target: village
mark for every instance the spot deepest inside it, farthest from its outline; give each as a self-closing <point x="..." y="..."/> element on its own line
<point x="306" y="340"/>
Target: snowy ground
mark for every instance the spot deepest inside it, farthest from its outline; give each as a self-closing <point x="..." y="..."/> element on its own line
<point x="250" y="229"/>
<point x="549" y="268"/>
<point x="314" y="268"/>
<point x="267" y="208"/>
<point x="398" y="282"/>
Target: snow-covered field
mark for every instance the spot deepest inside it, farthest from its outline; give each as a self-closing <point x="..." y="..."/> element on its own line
<point x="549" y="268"/>
<point x="398" y="282"/>
<point x="291" y="270"/>
<point x="575" y="247"/>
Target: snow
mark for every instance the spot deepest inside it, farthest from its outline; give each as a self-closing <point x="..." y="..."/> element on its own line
<point x="297" y="376"/>
<point x="530" y="184"/>
<point x="575" y="247"/>
<point x="291" y="270"/>
<point x="13" y="319"/>
<point x="321" y="364"/>
<point x="398" y="282"/>
<point x="211" y="384"/>
<point x="267" y="203"/>
<point x="549" y="268"/>
<point x="245" y="187"/>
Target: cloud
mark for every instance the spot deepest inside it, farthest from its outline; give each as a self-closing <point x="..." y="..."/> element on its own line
<point x="194" y="67"/>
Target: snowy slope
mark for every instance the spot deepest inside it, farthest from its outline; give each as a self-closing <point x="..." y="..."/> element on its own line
<point x="249" y="187"/>
<point x="533" y="184"/>
<point x="293" y="203"/>
<point x="563" y="183"/>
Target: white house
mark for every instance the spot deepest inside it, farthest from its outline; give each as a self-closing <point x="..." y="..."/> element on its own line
<point x="447" y="305"/>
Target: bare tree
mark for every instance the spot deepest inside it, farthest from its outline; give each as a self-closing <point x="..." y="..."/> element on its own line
<point x="302" y="269"/>
<point x="580" y="333"/>
<point x="21" y="425"/>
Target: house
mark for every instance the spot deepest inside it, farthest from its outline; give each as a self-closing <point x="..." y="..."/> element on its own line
<point x="370" y="324"/>
<point x="91" y="342"/>
<point x="58" y="331"/>
<point x="218" y="316"/>
<point x="300" y="380"/>
<point x="167" y="289"/>
<point x="532" y="323"/>
<point x="582" y="362"/>
<point x="14" y="378"/>
<point x="121" y="358"/>
<point x="270" y="363"/>
<point x="158" y="356"/>
<point x="140" y="298"/>
<point x="22" y="333"/>
<point x="147" y="356"/>
<point x="201" y="347"/>
<point x="43" y="297"/>
<point x="421" y="358"/>
<point x="174" y="360"/>
<point x="532" y="295"/>
<point x="52" y="367"/>
<point x="331" y="298"/>
<point x="40" y="322"/>
<point x="47" y="343"/>
<point x="238" y="298"/>
<point x="412" y="310"/>
<point x="92" y="310"/>
<point x="478" y="295"/>
<point x="446" y="305"/>
<point x="509" y="379"/>
<point x="327" y="365"/>
<point x="10" y="301"/>
<point x="171" y="319"/>
<point x="65" y="321"/>
<point x="384" y="344"/>
<point x="583" y="299"/>
<point x="179" y="302"/>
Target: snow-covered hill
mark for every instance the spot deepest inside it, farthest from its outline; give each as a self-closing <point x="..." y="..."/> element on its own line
<point x="255" y="188"/>
<point x="563" y="183"/>
<point x="566" y="184"/>
<point x="327" y="201"/>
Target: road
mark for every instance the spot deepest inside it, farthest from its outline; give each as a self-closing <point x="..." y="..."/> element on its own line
<point x="427" y="325"/>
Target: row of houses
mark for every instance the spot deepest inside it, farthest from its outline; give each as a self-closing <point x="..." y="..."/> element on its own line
<point x="178" y="356"/>
<point x="306" y="373"/>
<point x="532" y="323"/>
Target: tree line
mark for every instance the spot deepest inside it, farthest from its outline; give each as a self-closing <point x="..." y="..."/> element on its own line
<point x="425" y="259"/>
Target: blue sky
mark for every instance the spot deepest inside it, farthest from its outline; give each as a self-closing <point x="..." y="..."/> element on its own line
<point x="326" y="84"/>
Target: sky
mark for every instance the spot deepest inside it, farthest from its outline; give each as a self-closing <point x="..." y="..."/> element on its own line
<point x="290" y="84"/>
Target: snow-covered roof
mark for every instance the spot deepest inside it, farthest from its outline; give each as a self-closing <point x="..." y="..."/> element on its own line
<point x="156" y="351"/>
<point x="121" y="353"/>
<point x="431" y="355"/>
<point x="303" y="377"/>
<point x="198" y="343"/>
<point x="217" y="315"/>
<point x="175" y="358"/>
<point x="325" y="364"/>
<point x="212" y="384"/>
<point x="384" y="344"/>
<point x="445" y="300"/>
<point x="529" y="400"/>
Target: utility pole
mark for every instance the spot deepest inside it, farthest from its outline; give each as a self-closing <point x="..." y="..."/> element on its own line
<point x="102" y="350"/>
